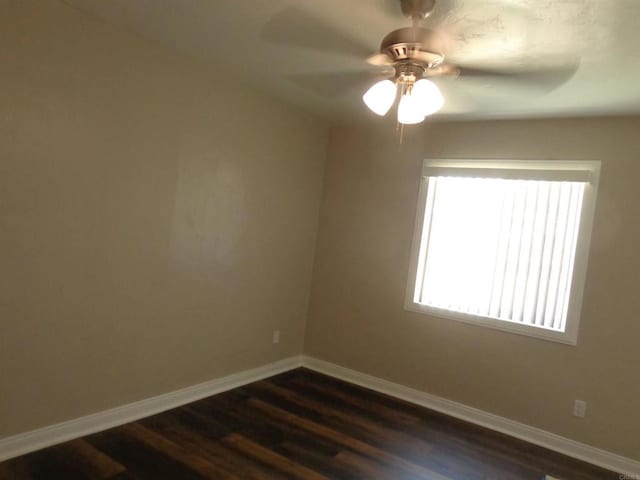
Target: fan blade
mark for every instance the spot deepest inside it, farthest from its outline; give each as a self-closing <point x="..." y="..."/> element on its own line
<point x="457" y="100"/>
<point x="299" y="28"/>
<point x="543" y="78"/>
<point x="380" y="59"/>
<point x="337" y="84"/>
<point x="443" y="70"/>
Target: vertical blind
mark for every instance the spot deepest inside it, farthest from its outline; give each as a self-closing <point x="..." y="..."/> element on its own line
<point x="500" y="248"/>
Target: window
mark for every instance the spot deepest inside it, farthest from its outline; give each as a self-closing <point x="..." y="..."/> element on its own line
<point x="504" y="244"/>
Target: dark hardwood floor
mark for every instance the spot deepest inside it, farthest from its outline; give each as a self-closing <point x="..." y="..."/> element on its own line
<point x="298" y="425"/>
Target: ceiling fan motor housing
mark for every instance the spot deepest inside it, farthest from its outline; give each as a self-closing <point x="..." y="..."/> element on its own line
<point x="414" y="45"/>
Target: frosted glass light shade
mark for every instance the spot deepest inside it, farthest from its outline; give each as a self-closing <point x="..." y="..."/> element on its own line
<point x="410" y="110"/>
<point x="429" y="96"/>
<point x="380" y="97"/>
<point x="422" y="100"/>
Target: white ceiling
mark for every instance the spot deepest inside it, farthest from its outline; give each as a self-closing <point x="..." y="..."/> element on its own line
<point x="272" y="44"/>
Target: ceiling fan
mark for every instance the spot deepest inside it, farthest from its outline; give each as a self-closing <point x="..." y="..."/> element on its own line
<point x="415" y="53"/>
<point x="409" y="58"/>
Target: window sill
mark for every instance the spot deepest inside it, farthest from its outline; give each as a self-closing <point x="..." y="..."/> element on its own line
<point x="566" y="338"/>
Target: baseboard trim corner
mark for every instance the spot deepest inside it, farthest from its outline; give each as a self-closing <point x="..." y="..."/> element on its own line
<point x="23" y="443"/>
<point x="595" y="456"/>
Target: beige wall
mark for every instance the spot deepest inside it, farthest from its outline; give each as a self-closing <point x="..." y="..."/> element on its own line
<point x="357" y="320"/>
<point x="156" y="223"/>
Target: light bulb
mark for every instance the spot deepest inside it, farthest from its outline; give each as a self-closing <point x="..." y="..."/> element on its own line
<point x="380" y="97"/>
<point x="423" y="99"/>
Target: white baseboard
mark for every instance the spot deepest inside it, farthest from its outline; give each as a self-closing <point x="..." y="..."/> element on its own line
<point x="571" y="448"/>
<point x="45" y="437"/>
<point x="30" y="441"/>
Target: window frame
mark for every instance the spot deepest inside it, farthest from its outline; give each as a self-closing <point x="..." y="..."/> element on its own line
<point x="529" y="168"/>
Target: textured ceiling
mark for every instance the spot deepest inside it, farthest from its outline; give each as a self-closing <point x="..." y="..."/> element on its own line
<point x="308" y="52"/>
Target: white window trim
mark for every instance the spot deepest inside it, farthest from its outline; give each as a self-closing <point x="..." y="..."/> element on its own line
<point x="552" y="169"/>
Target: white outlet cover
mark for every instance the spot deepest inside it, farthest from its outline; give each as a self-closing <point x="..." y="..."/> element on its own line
<point x="276" y="336"/>
<point x="580" y="408"/>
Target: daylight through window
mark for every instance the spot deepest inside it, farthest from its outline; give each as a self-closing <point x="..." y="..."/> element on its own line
<point x="498" y="244"/>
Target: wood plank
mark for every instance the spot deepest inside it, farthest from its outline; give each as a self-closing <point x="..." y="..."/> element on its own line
<point x="85" y="458"/>
<point x="270" y="458"/>
<point x="212" y="449"/>
<point x="345" y="440"/>
<point x="318" y="460"/>
<point x="176" y="452"/>
<point x="44" y="464"/>
<point x="375" y="433"/>
<point x="452" y="451"/>
<point x="368" y="468"/>
<point x="140" y="459"/>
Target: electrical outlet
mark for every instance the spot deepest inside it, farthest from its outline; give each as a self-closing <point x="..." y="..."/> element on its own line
<point x="580" y="408"/>
<point x="276" y="336"/>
